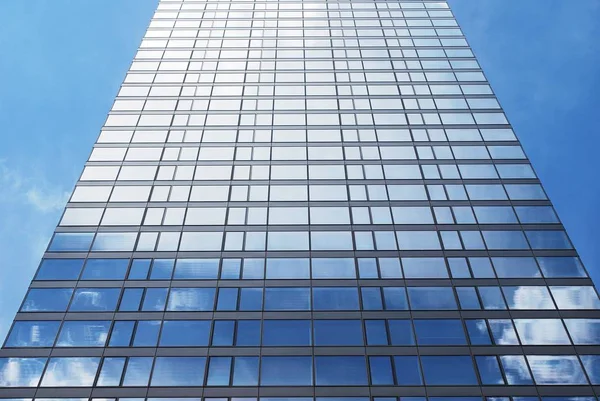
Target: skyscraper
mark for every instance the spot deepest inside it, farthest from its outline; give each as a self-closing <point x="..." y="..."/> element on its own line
<point x="306" y="200"/>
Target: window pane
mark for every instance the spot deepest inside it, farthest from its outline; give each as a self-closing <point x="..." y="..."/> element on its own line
<point x="286" y="371"/>
<point x="340" y="370"/>
<point x="178" y="371"/>
<point x="448" y="370"/>
<point x="286" y="332"/>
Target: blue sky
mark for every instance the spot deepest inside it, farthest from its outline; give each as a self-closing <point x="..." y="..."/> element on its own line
<point x="63" y="62"/>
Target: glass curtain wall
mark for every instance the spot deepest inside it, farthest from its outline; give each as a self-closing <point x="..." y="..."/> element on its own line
<point x="306" y="200"/>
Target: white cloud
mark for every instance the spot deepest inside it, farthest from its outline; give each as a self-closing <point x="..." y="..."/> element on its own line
<point x="46" y="200"/>
<point x="30" y="189"/>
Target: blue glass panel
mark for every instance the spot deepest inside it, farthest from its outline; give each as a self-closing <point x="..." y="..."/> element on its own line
<point x="196" y="269"/>
<point x="288" y="268"/>
<point x="219" y="371"/>
<point x="376" y="332"/>
<point x="178" y="371"/>
<point x="248" y="333"/>
<point x="561" y="267"/>
<point x="489" y="370"/>
<point x="542" y="332"/>
<point x="536" y="214"/>
<point x="70" y="372"/>
<point x="338" y="332"/>
<point x="155" y="299"/>
<point x="371" y="298"/>
<point x="105" y="269"/>
<point x="333" y="268"/>
<point x="417" y="240"/>
<point x="467" y="297"/>
<point x="245" y="371"/>
<point x="503" y="332"/>
<point x="584" y="331"/>
<point x="111" y="372"/>
<point x="227" y="299"/>
<point x="431" y="298"/>
<point x="505" y="240"/>
<point x="181" y="333"/>
<point x="251" y="299"/>
<point x="335" y="298"/>
<point x="401" y="332"/>
<point x="114" y="242"/>
<point x="481" y="267"/>
<point x="121" y="334"/>
<point x="556" y="370"/>
<point x="254" y="269"/>
<point x="408" y="372"/>
<point x="448" y="370"/>
<point x="286" y="332"/>
<point x="286" y="371"/>
<point x="395" y="298"/>
<point x="132" y="297"/>
<point x="516" y="370"/>
<point x="591" y="364"/>
<point x="21" y="372"/>
<point x="548" y="240"/>
<point x="95" y="299"/>
<point x="59" y="269"/>
<point x="230" y="269"/>
<point x="146" y="333"/>
<point x="83" y="334"/>
<point x="138" y="371"/>
<point x="340" y="370"/>
<point x="71" y="242"/>
<point x="139" y="269"/>
<point x="223" y="333"/>
<point x="191" y="299"/>
<point x="459" y="268"/>
<point x="439" y="332"/>
<point x="424" y="268"/>
<point x="495" y="215"/>
<point x="516" y="267"/>
<point x="367" y="268"/>
<point x="525" y="191"/>
<point x="575" y="297"/>
<point x="528" y="297"/>
<point x="32" y="334"/>
<point x="381" y="370"/>
<point x="287" y="299"/>
<point x="491" y="297"/>
<point x="478" y="332"/>
<point x="390" y="267"/>
<point x="162" y="269"/>
<point x="47" y="300"/>
<point x="515" y="171"/>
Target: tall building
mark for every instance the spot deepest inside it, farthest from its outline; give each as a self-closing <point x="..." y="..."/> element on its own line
<point x="294" y="200"/>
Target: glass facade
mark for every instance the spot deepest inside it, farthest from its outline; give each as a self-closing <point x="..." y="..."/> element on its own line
<point x="302" y="200"/>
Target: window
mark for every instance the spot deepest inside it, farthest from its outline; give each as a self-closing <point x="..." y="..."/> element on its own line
<point x="286" y="371"/>
<point x="47" y="300"/>
<point x="32" y="334"/>
<point x="286" y="333"/>
<point x="30" y="371"/>
<point x="178" y="371"/>
<point x="448" y="370"/>
<point x="191" y="299"/>
<point x="83" y="334"/>
<point x="59" y="269"/>
<point x="179" y="333"/>
<point x="340" y="370"/>
<point x="439" y="332"/>
<point x="70" y="372"/>
<point x="338" y="332"/>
